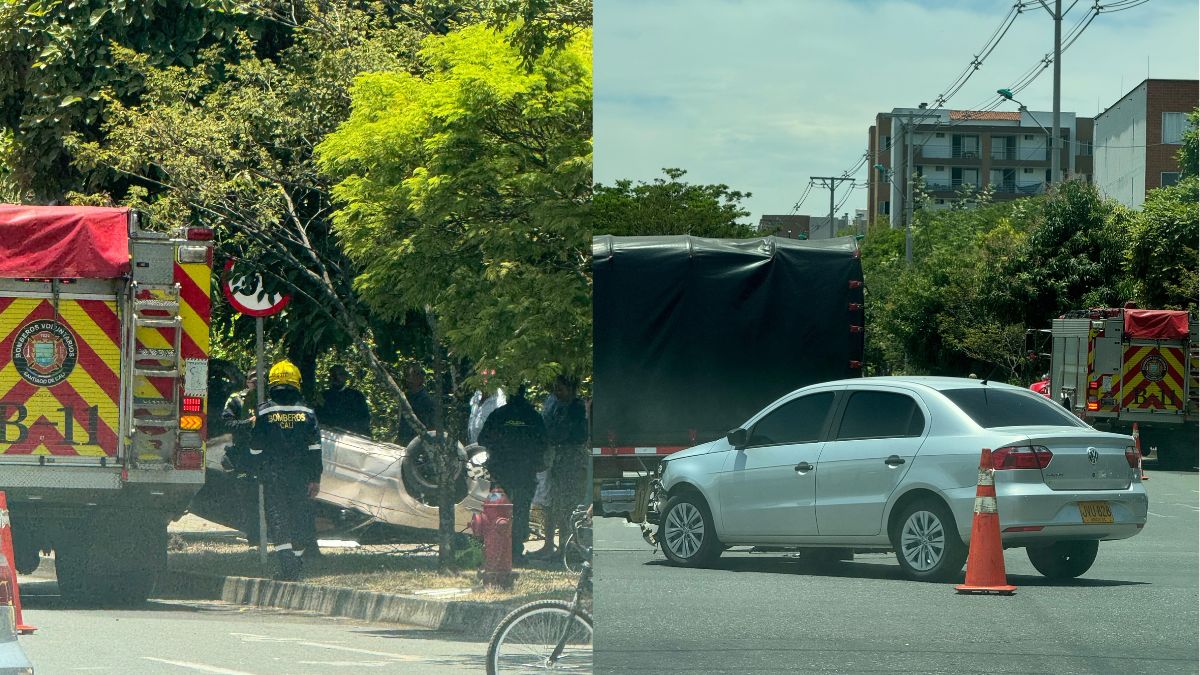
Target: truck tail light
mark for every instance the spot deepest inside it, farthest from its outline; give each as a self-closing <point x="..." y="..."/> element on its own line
<point x="199" y="234"/>
<point x="1093" y="405"/>
<point x="1132" y="456"/>
<point x="189" y="459"/>
<point x="1021" y="457"/>
<point x="193" y="404"/>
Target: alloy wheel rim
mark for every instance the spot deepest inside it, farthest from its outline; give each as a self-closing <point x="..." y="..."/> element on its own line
<point x="684" y="530"/>
<point x="923" y="541"/>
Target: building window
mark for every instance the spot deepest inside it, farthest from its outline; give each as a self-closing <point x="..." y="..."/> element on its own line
<point x="1168" y="178"/>
<point x="885" y="208"/>
<point x="886" y="143"/>
<point x="1085" y="149"/>
<point x="1028" y="170"/>
<point x="1029" y="137"/>
<point x="964" y="146"/>
<point x="1173" y="126"/>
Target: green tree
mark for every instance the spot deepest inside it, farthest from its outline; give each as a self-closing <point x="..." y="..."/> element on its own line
<point x="670" y="206"/>
<point x="1162" y="255"/>
<point x="61" y="72"/>
<point x="1189" y="153"/>
<point x="465" y="192"/>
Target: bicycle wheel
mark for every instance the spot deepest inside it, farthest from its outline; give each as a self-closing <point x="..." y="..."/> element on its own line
<point x="573" y="554"/>
<point x="525" y="639"/>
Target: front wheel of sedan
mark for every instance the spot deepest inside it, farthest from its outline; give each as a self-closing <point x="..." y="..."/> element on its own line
<point x="686" y="534"/>
<point x="927" y="542"/>
<point x="1064" y="559"/>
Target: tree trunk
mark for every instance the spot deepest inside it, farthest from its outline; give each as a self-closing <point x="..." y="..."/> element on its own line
<point x="445" y="458"/>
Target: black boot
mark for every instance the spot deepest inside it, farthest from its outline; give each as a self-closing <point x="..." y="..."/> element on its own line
<point x="289" y="565"/>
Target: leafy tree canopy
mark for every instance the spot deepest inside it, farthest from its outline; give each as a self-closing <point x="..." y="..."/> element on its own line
<point x="465" y="191"/>
<point x="670" y="206"/>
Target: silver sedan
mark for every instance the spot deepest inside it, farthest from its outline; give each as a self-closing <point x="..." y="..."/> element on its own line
<point x="892" y="463"/>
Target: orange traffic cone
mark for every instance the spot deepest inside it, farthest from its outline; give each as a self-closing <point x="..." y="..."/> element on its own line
<point x="6" y="544"/>
<point x="1137" y="445"/>
<point x="985" y="562"/>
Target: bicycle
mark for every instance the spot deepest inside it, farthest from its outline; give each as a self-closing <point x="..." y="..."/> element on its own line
<point x="546" y="634"/>
<point x="577" y="546"/>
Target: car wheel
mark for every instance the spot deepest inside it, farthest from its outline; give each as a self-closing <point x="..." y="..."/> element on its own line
<point x="1065" y="559"/>
<point x="687" y="534"/>
<point x="927" y="543"/>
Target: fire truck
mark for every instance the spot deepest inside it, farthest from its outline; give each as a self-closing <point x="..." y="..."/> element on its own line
<point x="692" y="336"/>
<point x="1117" y="367"/>
<point x="103" y="391"/>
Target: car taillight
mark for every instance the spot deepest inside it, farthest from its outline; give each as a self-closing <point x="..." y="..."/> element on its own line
<point x="1132" y="456"/>
<point x="186" y="459"/>
<point x="1021" y="457"/>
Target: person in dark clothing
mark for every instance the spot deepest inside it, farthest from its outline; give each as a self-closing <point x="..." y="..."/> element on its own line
<point x="515" y="438"/>
<point x="566" y="433"/>
<point x="343" y="406"/>
<point x="286" y="440"/>
<point x="422" y="403"/>
<point x="238" y="416"/>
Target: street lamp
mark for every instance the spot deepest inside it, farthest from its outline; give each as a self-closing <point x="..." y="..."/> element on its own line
<point x="1006" y="93"/>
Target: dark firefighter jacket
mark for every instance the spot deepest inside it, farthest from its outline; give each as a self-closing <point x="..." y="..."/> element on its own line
<point x="515" y="437"/>
<point x="287" y="441"/>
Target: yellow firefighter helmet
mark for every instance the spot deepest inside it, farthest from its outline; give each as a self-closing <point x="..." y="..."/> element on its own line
<point x="284" y="373"/>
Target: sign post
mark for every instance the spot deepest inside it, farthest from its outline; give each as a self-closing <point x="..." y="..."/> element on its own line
<point x="247" y="296"/>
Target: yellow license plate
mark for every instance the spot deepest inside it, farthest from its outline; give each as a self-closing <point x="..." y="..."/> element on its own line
<point x="1095" y="512"/>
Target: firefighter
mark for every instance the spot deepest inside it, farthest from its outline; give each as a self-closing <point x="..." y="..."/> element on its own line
<point x="515" y="438"/>
<point x="287" y="443"/>
<point x="239" y="419"/>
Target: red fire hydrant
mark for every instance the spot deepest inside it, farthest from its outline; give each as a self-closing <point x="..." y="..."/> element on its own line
<point x="494" y="527"/>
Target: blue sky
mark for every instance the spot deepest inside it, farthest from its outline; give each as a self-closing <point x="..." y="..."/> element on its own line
<point x="762" y="94"/>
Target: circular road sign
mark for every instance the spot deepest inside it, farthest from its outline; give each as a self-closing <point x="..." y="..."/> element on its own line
<point x="246" y="296"/>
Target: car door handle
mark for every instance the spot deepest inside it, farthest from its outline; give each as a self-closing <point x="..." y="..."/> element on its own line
<point x="894" y="460"/>
<point x="804" y="467"/>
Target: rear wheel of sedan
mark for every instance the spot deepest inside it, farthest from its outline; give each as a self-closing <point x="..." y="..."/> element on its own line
<point x="927" y="543"/>
<point x="687" y="535"/>
<point x="1064" y="559"/>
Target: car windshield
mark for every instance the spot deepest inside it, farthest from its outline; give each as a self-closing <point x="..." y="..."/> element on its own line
<point x="991" y="407"/>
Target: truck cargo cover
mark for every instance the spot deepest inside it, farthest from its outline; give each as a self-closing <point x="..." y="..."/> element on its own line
<point x="64" y="242"/>
<point x="692" y="336"/>
<point x="1156" y="324"/>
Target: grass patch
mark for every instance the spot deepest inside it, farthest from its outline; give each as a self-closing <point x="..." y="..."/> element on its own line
<point x="373" y="569"/>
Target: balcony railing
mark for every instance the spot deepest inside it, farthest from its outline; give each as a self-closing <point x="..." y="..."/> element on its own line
<point x="959" y="153"/>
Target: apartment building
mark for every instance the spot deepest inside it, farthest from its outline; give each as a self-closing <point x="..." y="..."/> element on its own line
<point x="805" y="227"/>
<point x="1138" y="136"/>
<point x="953" y="149"/>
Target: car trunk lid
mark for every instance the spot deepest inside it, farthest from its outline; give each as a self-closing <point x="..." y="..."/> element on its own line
<point x="1083" y="461"/>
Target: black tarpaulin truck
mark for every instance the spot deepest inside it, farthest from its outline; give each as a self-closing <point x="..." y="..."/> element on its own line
<point x="692" y="336"/>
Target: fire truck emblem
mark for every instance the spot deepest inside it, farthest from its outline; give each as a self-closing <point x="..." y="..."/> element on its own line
<point x="44" y="353"/>
<point x="1154" y="368"/>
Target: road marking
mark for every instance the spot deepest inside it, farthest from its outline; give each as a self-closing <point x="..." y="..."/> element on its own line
<point x="349" y="663"/>
<point x="1159" y="515"/>
<point x="199" y="666"/>
<point x="1190" y="506"/>
<point x="252" y="637"/>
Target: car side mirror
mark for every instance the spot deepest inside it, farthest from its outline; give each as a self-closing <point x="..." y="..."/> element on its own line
<point x="738" y="438"/>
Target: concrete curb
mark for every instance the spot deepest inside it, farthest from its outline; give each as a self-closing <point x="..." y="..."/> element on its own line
<point x="475" y="619"/>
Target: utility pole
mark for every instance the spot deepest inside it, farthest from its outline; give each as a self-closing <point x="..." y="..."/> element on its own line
<point x="1056" y="157"/>
<point x="908" y="196"/>
<point x="1055" y="151"/>
<point x="830" y="182"/>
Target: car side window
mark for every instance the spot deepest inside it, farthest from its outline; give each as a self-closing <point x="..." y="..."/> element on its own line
<point x="797" y="421"/>
<point x="880" y="414"/>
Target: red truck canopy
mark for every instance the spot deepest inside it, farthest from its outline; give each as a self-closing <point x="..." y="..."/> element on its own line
<point x="64" y="242"/>
<point x="1156" y="324"/>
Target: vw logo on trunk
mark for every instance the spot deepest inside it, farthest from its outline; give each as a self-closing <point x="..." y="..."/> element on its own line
<point x="1093" y="455"/>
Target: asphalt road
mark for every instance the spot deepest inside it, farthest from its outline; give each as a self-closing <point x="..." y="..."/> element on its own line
<point x="1135" y="611"/>
<point x="213" y="637"/>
